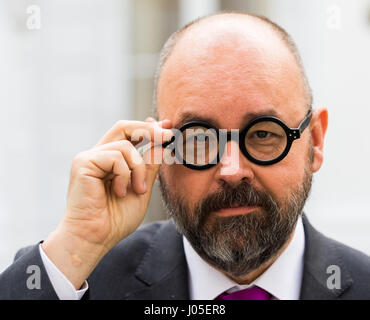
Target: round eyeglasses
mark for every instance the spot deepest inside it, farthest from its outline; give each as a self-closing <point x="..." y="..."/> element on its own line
<point x="264" y="141"/>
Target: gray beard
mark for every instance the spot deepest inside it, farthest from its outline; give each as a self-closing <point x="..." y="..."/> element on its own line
<point x="238" y="244"/>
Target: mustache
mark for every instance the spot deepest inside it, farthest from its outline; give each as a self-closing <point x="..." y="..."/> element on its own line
<point x="242" y="195"/>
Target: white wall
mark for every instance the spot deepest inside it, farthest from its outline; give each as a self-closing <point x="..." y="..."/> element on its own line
<point x="61" y="88"/>
<point x="334" y="40"/>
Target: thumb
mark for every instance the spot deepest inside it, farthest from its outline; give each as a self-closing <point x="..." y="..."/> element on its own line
<point x="154" y="157"/>
<point x="151" y="174"/>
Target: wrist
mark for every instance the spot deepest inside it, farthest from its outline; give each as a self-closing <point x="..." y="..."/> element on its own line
<point x="75" y="257"/>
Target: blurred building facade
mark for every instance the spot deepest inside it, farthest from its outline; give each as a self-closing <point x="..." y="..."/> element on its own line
<point x="91" y="62"/>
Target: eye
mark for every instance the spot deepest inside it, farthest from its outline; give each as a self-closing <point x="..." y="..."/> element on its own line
<point x="262" y="134"/>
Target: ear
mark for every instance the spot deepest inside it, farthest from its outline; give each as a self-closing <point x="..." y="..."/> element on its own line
<point x="318" y="126"/>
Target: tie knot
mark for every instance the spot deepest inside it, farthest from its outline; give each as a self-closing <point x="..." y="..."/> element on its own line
<point x="254" y="293"/>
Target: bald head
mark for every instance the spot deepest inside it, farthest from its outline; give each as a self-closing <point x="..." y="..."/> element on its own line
<point x="236" y="44"/>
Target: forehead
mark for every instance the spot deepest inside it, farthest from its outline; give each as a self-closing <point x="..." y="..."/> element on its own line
<point x="224" y="75"/>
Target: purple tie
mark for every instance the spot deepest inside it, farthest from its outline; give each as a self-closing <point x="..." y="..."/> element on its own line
<point x="254" y="293"/>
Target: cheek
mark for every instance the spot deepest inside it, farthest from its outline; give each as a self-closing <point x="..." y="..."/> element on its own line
<point x="190" y="185"/>
<point x="283" y="178"/>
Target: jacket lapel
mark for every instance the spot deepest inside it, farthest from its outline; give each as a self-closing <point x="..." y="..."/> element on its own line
<point x="320" y="254"/>
<point x="163" y="268"/>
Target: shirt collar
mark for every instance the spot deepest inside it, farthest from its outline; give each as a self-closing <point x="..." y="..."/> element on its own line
<point x="282" y="279"/>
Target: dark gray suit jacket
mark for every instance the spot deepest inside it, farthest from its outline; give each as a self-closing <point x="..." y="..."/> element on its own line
<point x="150" y="264"/>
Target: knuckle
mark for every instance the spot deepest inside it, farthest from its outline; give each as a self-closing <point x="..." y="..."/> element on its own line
<point x="136" y="158"/>
<point x="126" y="174"/>
<point x="82" y="171"/>
<point x="124" y="170"/>
<point x="142" y="132"/>
<point x="117" y="155"/>
<point x="121" y="123"/>
<point x="79" y="159"/>
<point x="138" y="163"/>
<point x="125" y="144"/>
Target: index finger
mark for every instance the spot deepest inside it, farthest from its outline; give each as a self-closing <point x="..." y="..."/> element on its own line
<point x="125" y="130"/>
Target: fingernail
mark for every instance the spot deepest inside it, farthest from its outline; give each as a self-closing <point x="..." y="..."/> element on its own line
<point x="144" y="185"/>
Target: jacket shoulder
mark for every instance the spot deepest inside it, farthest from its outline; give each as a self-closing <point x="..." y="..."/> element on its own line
<point x="357" y="264"/>
<point x="351" y="266"/>
<point x="139" y="241"/>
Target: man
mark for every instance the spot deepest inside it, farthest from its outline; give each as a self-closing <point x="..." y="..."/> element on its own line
<point x="237" y="229"/>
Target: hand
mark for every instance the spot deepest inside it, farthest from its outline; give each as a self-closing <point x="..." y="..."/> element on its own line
<point x="109" y="191"/>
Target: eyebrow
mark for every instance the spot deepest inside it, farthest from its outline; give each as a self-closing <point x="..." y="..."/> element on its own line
<point x="253" y="115"/>
<point x="189" y="116"/>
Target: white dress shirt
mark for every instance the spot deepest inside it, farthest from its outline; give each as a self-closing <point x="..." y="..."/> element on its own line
<point x="64" y="289"/>
<point x="282" y="279"/>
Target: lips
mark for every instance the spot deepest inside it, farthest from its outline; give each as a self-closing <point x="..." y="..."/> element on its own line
<point x="235" y="210"/>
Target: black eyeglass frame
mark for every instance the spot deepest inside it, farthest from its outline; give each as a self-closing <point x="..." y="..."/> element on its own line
<point x="291" y="133"/>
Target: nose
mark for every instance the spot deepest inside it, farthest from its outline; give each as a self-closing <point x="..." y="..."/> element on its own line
<point x="234" y="168"/>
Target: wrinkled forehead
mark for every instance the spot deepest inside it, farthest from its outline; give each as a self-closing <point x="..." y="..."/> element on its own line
<point x="225" y="72"/>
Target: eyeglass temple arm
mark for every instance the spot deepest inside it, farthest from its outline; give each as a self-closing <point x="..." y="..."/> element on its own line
<point x="164" y="145"/>
<point x="303" y="125"/>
